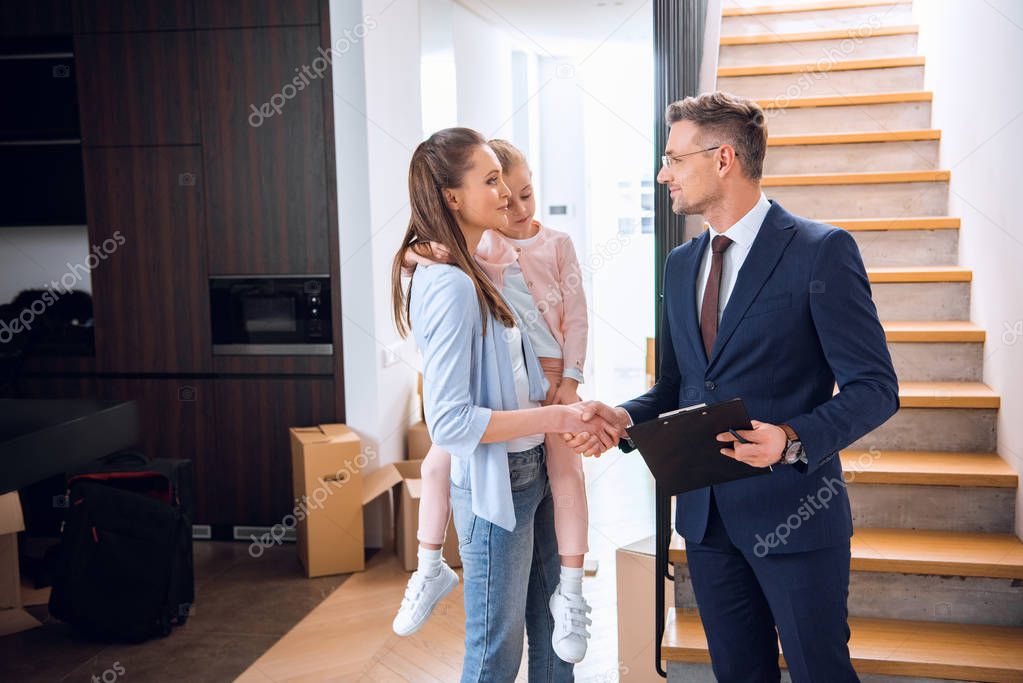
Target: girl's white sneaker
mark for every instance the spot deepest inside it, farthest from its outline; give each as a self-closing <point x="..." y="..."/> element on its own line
<point x="570" y="621"/>
<point x="421" y="595"/>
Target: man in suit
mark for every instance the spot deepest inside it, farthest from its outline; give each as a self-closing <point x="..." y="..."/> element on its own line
<point x="772" y="308"/>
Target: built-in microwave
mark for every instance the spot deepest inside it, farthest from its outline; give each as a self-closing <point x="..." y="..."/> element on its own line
<point x="271" y="315"/>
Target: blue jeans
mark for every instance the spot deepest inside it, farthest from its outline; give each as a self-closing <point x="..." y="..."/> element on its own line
<point x="509" y="578"/>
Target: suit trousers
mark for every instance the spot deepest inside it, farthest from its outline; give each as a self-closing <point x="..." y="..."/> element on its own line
<point x="744" y="598"/>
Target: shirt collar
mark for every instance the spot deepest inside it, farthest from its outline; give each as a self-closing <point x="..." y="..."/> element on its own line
<point x="745" y="230"/>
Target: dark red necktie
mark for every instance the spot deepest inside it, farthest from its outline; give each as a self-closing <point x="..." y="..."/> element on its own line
<point x="709" y="310"/>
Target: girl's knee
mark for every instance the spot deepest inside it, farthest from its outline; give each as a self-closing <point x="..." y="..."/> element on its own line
<point x="436" y="466"/>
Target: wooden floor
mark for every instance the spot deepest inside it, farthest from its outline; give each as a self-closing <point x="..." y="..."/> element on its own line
<point x="348" y="636"/>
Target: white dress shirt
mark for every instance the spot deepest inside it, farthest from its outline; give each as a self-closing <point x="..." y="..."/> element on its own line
<point x="742" y="234"/>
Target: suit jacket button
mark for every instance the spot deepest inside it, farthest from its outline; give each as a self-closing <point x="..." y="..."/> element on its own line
<point x="710" y="385"/>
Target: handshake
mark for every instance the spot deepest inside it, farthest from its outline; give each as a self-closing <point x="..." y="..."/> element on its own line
<point x="590" y="427"/>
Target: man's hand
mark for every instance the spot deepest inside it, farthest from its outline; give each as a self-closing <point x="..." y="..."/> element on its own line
<point x="588" y="444"/>
<point x="767" y="444"/>
<point x="579" y="417"/>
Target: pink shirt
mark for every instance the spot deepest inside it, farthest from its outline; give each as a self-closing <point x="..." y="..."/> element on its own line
<point x="551" y="270"/>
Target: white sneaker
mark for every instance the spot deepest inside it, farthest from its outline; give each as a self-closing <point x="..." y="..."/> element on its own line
<point x="421" y="596"/>
<point x="570" y="622"/>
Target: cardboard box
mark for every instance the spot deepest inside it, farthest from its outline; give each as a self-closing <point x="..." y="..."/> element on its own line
<point x="636" y="637"/>
<point x="406" y="515"/>
<point x="12" y="617"/>
<point x="419" y="441"/>
<point x="11" y="522"/>
<point x="419" y="392"/>
<point x="331" y="490"/>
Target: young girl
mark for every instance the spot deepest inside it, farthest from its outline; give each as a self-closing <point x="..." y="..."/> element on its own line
<point x="536" y="270"/>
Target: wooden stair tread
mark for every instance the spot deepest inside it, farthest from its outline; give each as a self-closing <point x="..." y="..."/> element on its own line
<point x="847" y="138"/>
<point x="896" y="223"/>
<point x="928" y="468"/>
<point x="840" y="65"/>
<point x="949" y="553"/>
<point x="917" y="551"/>
<point x="919" y="274"/>
<point x="933" y="331"/>
<point x="869" y="178"/>
<point x="889" y="646"/>
<point x="837" y="34"/>
<point x="808" y="7"/>
<point x="947" y="395"/>
<point x="847" y="100"/>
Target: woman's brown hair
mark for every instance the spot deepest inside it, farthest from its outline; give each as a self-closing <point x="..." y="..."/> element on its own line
<point x="440" y="163"/>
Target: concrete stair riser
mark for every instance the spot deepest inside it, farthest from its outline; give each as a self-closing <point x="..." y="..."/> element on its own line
<point x="860" y="19"/>
<point x="860" y="45"/>
<point x="917" y="597"/>
<point x="864" y="200"/>
<point x="908" y="247"/>
<point x="823" y="80"/>
<point x="910" y="155"/>
<point x="922" y="300"/>
<point x="855" y="118"/>
<point x="942" y="508"/>
<point x="938" y="361"/>
<point x="934" y="429"/>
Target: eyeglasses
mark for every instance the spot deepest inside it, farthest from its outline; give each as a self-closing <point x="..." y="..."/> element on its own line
<point x="666" y="161"/>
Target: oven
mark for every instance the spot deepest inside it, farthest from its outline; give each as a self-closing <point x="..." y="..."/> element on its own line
<point x="271" y="315"/>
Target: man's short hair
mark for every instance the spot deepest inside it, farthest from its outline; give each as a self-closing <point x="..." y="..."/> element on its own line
<point x="724" y="118"/>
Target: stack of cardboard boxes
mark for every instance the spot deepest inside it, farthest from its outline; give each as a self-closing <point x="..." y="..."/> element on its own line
<point x="334" y="478"/>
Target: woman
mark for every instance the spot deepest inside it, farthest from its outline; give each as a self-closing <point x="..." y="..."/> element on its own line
<point x="482" y="387"/>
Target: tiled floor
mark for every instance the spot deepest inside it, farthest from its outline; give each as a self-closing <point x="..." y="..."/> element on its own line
<point x="243" y="606"/>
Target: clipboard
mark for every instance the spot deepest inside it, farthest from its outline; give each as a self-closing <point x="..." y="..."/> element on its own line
<point x="682" y="452"/>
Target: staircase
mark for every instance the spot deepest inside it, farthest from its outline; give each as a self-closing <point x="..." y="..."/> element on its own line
<point x="936" y="589"/>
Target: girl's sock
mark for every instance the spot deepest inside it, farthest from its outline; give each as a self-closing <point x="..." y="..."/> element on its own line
<point x="429" y="561"/>
<point x="572" y="580"/>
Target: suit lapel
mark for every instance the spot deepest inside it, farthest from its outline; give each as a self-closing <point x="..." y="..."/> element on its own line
<point x="769" y="245"/>
<point x="691" y="273"/>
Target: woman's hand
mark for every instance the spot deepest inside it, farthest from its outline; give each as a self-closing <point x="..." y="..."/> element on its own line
<point x="584" y="442"/>
<point x="426" y="254"/>
<point x="577" y="418"/>
<point x="566" y="393"/>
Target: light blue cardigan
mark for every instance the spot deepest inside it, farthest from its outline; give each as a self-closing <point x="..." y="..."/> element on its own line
<point x="466" y="376"/>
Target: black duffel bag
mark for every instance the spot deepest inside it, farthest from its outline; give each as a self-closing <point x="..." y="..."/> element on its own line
<point x="125" y="569"/>
<point x="169" y="480"/>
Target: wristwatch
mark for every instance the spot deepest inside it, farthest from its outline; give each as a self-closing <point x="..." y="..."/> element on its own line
<point x="793" y="451"/>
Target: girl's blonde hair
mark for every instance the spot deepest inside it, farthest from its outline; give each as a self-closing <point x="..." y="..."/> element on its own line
<point x="507" y="153"/>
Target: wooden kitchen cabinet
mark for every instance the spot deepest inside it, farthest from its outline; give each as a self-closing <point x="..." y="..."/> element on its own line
<point x="23" y="18"/>
<point x="150" y="298"/>
<point x="98" y="16"/>
<point x="251" y="460"/>
<point x="138" y="88"/>
<point x="248" y="13"/>
<point x="266" y="208"/>
<point x="175" y="421"/>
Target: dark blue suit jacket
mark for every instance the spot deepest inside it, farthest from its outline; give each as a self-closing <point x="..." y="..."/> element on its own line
<point x="799" y="318"/>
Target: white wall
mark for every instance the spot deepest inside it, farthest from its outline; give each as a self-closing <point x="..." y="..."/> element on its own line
<point x="974" y="54"/>
<point x="483" y="65"/>
<point x="377" y="127"/>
